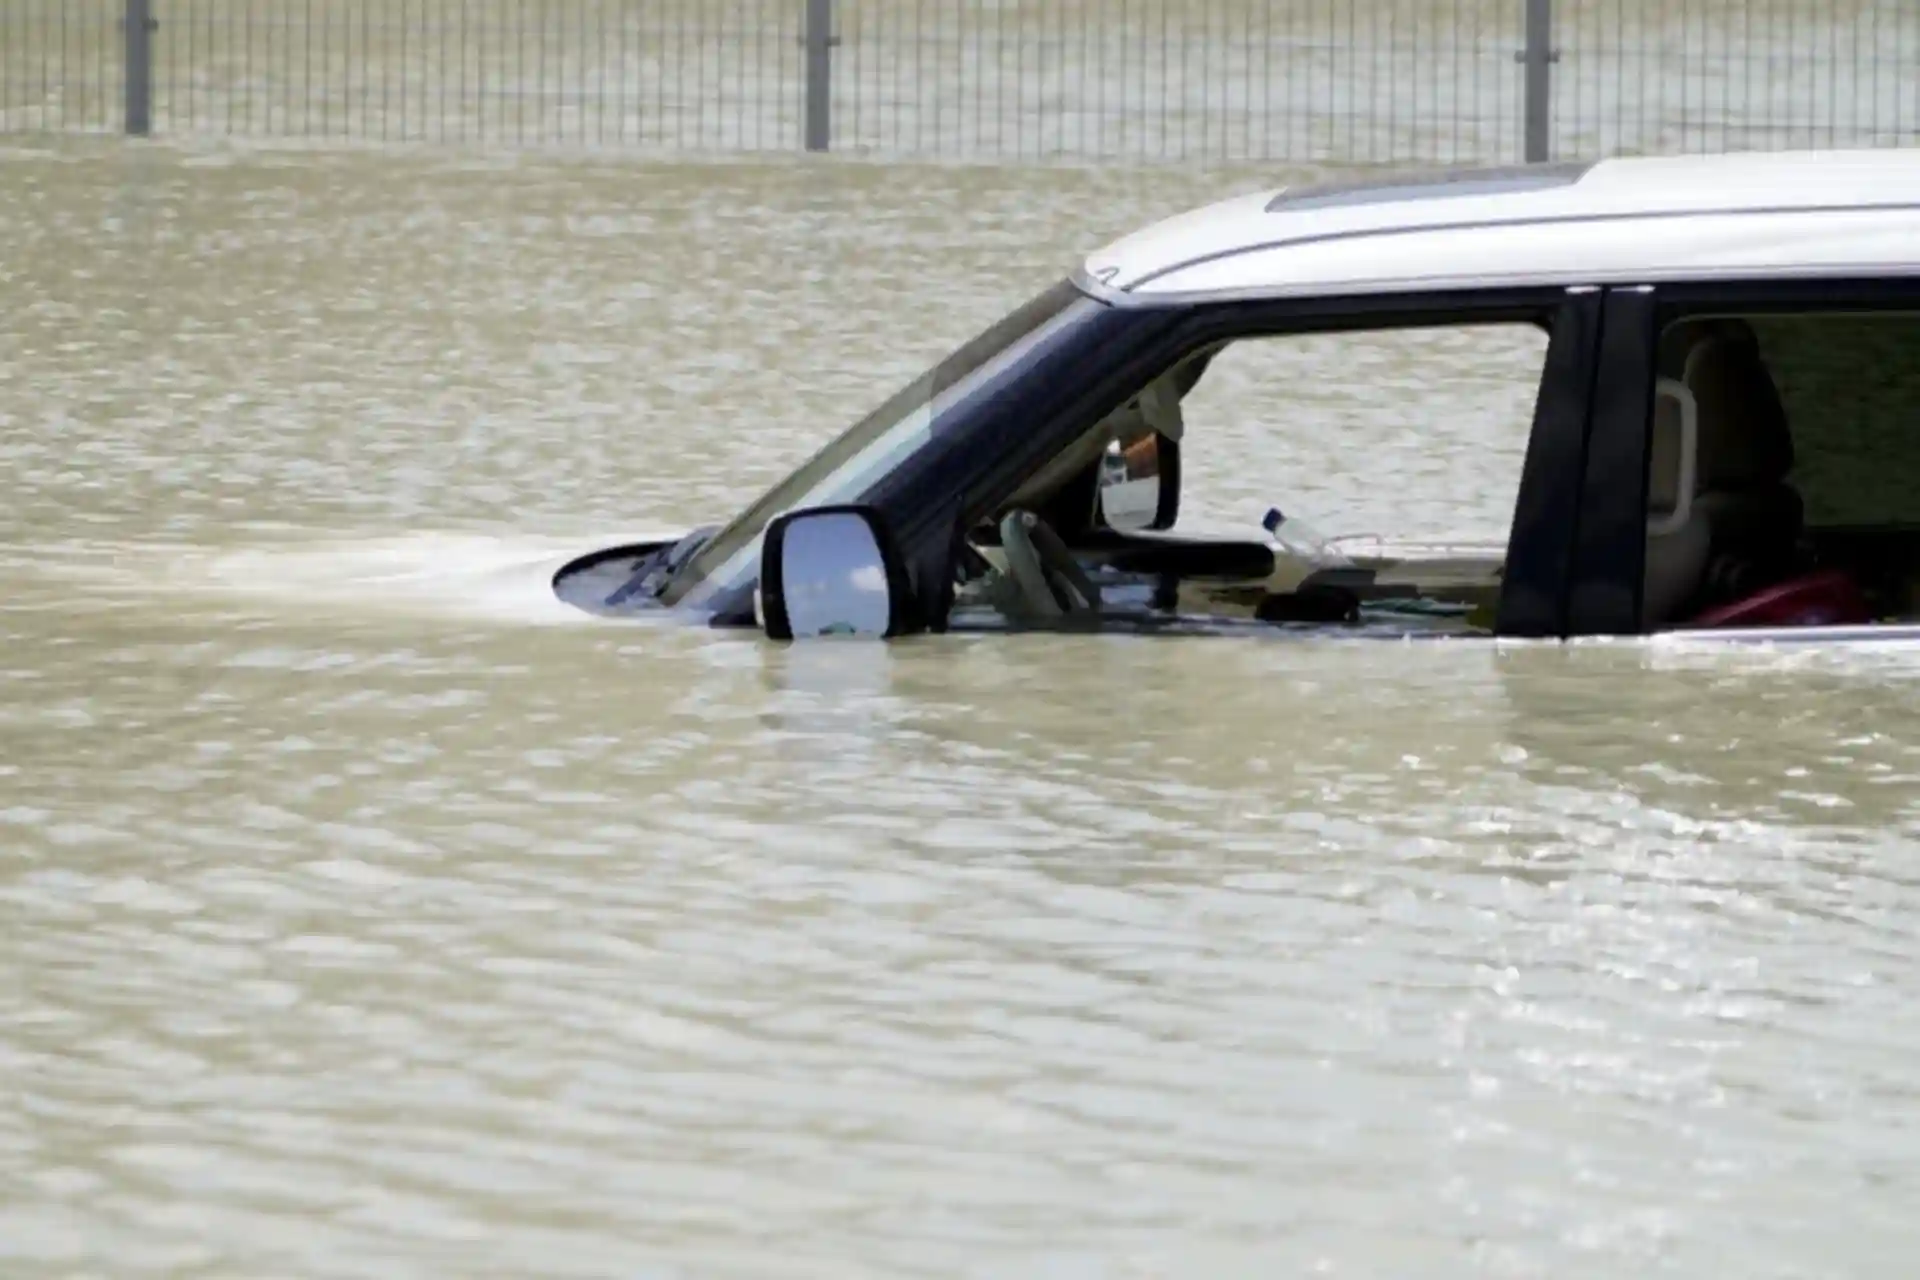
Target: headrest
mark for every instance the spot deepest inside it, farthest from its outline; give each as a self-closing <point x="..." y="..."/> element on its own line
<point x="1682" y="336"/>
<point x="1672" y="452"/>
<point x="1744" y="441"/>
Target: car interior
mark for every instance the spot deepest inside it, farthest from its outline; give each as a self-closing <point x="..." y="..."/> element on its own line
<point x="1732" y="539"/>
<point x="1092" y="533"/>
<point x="1781" y="481"/>
<point x="1723" y="521"/>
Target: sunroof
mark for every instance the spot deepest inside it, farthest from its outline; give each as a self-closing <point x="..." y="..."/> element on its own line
<point x="1442" y="185"/>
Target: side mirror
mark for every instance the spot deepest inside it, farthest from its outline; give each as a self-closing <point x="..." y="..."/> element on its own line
<point x="832" y="571"/>
<point x="1139" y="484"/>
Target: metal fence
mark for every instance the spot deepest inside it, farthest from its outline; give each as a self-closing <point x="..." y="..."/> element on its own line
<point x="1344" y="81"/>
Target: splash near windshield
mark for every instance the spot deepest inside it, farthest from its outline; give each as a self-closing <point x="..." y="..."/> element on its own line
<point x="850" y="465"/>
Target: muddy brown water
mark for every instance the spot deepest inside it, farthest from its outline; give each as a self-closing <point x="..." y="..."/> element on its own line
<point x="361" y="913"/>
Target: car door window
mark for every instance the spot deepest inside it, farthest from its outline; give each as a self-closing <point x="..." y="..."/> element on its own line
<point x="1803" y="484"/>
<point x="1407" y="433"/>
<point x="1379" y="467"/>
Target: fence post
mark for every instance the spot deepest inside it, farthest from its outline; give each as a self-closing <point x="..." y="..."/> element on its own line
<point x="139" y="25"/>
<point x="819" y="74"/>
<point x="1539" y="58"/>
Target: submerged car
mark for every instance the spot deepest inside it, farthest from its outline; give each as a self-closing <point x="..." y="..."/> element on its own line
<point x="1724" y="424"/>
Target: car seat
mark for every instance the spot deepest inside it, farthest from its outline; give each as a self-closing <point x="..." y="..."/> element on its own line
<point x="1722" y="519"/>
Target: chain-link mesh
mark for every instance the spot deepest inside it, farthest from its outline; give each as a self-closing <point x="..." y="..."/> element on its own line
<point x="1343" y="81"/>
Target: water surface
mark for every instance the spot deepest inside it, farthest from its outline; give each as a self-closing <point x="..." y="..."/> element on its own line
<point x="363" y="913"/>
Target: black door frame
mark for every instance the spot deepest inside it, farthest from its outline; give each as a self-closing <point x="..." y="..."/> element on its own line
<point x="1541" y="544"/>
<point x="1607" y="569"/>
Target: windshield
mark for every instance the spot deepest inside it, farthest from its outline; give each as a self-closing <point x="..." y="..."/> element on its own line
<point x="872" y="448"/>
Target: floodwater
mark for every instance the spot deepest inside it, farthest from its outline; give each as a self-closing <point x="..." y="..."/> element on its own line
<point x="362" y="912"/>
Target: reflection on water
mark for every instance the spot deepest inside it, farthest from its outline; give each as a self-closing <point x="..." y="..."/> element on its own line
<point x="351" y="921"/>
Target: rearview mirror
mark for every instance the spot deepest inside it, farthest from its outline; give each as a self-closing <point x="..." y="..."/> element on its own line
<point x="832" y="571"/>
<point x="1139" y="484"/>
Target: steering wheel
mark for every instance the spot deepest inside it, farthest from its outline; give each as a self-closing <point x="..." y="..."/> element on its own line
<point x="1051" y="582"/>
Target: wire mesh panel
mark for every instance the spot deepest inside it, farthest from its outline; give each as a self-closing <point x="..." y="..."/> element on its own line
<point x="60" y="65"/>
<point x="1348" y="80"/>
<point x="1343" y="81"/>
<point x="1655" y="76"/>
<point x="719" y="74"/>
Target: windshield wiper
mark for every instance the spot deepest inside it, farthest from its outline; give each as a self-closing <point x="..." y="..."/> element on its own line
<point x="653" y="573"/>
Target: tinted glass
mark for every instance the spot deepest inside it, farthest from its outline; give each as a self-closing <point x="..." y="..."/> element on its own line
<point x="1850" y="385"/>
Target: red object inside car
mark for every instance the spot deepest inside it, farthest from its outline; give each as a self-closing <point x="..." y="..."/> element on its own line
<point x="1825" y="599"/>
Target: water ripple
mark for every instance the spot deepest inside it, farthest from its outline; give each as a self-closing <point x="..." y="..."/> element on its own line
<point x="415" y="939"/>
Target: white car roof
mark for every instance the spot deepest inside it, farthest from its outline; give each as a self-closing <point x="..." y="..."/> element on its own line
<point x="1765" y="214"/>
